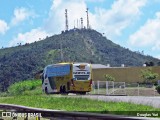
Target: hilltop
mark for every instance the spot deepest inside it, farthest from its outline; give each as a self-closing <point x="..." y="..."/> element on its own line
<point x="22" y="62"/>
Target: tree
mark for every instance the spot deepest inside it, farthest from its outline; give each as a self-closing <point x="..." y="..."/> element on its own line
<point x="109" y="77"/>
<point x="148" y="75"/>
<point x="149" y="63"/>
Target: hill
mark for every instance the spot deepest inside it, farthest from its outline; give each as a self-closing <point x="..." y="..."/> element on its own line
<point x="22" y="62"/>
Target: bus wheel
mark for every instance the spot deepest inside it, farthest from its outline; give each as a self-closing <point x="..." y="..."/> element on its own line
<point x="61" y="90"/>
<point x="64" y="89"/>
<point x="46" y="90"/>
<point x="83" y="93"/>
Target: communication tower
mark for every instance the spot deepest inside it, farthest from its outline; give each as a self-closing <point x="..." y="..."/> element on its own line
<point x="87" y="19"/>
<point x="74" y="24"/>
<point x="66" y="16"/>
<point x="81" y="23"/>
<point x="77" y="23"/>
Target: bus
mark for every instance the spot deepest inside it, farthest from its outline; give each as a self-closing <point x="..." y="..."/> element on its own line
<point x="67" y="78"/>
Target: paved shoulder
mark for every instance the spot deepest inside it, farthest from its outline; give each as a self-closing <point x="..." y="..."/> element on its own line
<point x="150" y="101"/>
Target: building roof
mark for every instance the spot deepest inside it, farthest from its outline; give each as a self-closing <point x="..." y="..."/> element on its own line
<point x="98" y="66"/>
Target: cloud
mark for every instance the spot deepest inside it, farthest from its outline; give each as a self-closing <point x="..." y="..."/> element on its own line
<point x="148" y="34"/>
<point x="158" y="56"/>
<point x="110" y="21"/>
<point x="29" y="37"/>
<point x="21" y="14"/>
<point x="156" y="1"/>
<point x="3" y="27"/>
<point x="94" y="1"/>
<point x="120" y="16"/>
<point x="56" y="21"/>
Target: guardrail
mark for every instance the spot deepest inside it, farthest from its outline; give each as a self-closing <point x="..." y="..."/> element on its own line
<point x="59" y="115"/>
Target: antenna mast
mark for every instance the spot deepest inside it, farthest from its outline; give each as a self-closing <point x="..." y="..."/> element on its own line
<point x="81" y="23"/>
<point x="66" y="16"/>
<point x="77" y="23"/>
<point x="87" y="19"/>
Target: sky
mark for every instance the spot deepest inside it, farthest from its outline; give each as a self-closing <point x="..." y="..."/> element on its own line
<point x="133" y="24"/>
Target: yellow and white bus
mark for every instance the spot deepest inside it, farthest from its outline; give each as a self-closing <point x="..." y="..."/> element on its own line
<point x="67" y="78"/>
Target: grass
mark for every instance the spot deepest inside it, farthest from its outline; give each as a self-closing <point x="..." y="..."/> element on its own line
<point x="27" y="87"/>
<point x="76" y="104"/>
<point x="29" y="93"/>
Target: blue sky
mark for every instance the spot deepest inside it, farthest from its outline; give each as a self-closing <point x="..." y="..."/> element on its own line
<point x="134" y="24"/>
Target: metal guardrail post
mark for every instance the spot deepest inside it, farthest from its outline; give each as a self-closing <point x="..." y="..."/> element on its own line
<point x="94" y="87"/>
<point x="125" y="88"/>
<point x="138" y="89"/>
<point x="98" y="86"/>
<point x="113" y="88"/>
<point x="154" y="90"/>
<point x="106" y="87"/>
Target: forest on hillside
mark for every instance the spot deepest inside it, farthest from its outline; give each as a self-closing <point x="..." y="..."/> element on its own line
<point x="24" y="61"/>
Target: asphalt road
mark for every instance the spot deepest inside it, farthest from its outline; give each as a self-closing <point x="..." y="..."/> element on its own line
<point x="145" y="100"/>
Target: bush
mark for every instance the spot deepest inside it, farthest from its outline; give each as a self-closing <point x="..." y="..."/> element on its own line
<point x="158" y="89"/>
<point x="155" y="83"/>
<point x="3" y="94"/>
<point x="20" y="87"/>
<point x="109" y="77"/>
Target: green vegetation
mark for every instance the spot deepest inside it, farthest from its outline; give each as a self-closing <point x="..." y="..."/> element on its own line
<point x="25" y="93"/>
<point x="109" y="77"/>
<point x="22" y="62"/>
<point x="158" y="88"/>
<point x="148" y="75"/>
<point x="75" y="104"/>
<point x="27" y="87"/>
